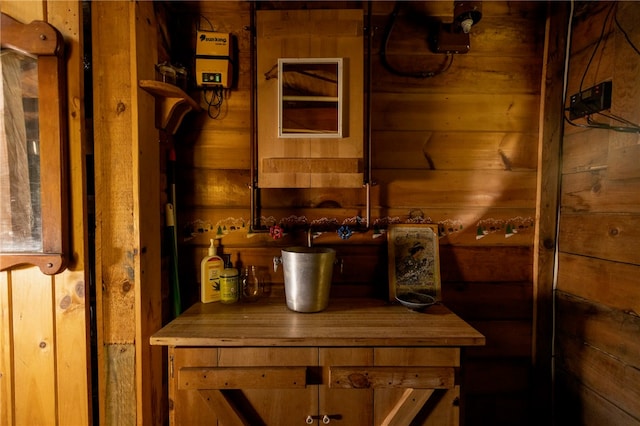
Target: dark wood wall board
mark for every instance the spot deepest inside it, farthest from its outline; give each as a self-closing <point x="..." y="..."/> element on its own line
<point x="604" y="236"/>
<point x="613" y="331"/>
<point x="613" y="284"/>
<point x="601" y="372"/>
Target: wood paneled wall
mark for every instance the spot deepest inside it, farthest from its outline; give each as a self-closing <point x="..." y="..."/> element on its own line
<point x="459" y="149"/>
<point x="44" y="320"/>
<point x="598" y="293"/>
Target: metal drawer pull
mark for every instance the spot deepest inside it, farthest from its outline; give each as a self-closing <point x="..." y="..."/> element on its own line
<point x="309" y="420"/>
<point x="326" y="419"/>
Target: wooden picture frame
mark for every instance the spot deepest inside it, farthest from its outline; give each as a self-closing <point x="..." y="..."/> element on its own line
<point x="414" y="259"/>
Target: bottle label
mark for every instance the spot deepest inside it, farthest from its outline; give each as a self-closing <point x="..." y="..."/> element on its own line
<point x="229" y="289"/>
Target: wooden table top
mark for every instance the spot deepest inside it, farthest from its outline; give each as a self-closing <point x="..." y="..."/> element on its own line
<point x="346" y="322"/>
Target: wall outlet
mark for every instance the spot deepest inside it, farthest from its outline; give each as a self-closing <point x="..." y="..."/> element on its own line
<point x="591" y="101"/>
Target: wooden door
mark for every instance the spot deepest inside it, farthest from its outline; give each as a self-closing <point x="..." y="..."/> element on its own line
<point x="273" y="404"/>
<point x="44" y="320"/>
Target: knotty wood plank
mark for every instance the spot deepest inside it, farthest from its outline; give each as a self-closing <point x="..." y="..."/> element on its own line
<point x="407" y="406"/>
<point x="34" y="346"/>
<point x="595" y="192"/>
<point x="71" y="298"/>
<point x="350" y="403"/>
<point x="612" y="284"/>
<point x="395" y="377"/>
<point x="605" y="236"/>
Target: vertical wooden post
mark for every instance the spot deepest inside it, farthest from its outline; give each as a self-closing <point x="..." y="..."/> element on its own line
<point x="547" y="204"/>
<point x="127" y="213"/>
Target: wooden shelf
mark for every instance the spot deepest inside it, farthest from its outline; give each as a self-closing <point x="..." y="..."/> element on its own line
<point x="172" y="104"/>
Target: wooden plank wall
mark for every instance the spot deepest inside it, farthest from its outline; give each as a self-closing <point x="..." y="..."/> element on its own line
<point x="128" y="213"/>
<point x="459" y="149"/>
<point x="44" y="320"/>
<point x="598" y="297"/>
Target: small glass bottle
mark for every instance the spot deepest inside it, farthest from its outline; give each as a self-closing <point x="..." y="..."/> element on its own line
<point x="229" y="283"/>
<point x="251" y="284"/>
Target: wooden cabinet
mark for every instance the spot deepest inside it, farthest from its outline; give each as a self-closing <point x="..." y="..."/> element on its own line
<point x="302" y="149"/>
<point x="357" y="363"/>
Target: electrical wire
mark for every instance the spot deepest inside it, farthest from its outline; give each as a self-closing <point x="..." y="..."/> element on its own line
<point x="626" y="36"/>
<point x="629" y="127"/>
<point x="208" y="22"/>
<point x="413" y="74"/>
<point x="595" y="48"/>
<point x="215" y="100"/>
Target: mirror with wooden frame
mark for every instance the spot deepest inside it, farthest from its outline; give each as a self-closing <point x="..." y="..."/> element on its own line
<point x="310" y="98"/>
<point x="33" y="164"/>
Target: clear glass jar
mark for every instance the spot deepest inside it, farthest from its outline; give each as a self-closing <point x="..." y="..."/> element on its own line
<point x="251" y="284"/>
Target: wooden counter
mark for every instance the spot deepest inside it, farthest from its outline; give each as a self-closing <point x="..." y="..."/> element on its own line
<point x="359" y="362"/>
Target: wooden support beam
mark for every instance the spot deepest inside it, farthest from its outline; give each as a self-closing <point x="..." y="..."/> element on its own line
<point x="391" y="377"/>
<point x="242" y="378"/>
<point x="224" y="408"/>
<point x="409" y="404"/>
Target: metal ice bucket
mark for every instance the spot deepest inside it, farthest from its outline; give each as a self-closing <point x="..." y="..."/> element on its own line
<point x="307" y="277"/>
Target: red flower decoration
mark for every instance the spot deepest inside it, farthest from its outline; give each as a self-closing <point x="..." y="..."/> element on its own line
<point x="276" y="232"/>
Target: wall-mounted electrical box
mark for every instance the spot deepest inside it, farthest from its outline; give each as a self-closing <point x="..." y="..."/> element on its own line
<point x="591" y="101"/>
<point x="214" y="62"/>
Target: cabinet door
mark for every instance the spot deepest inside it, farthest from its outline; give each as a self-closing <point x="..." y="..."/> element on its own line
<point x="275" y="405"/>
<point x="435" y="403"/>
<point x="352" y="407"/>
<point x="189" y="407"/>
